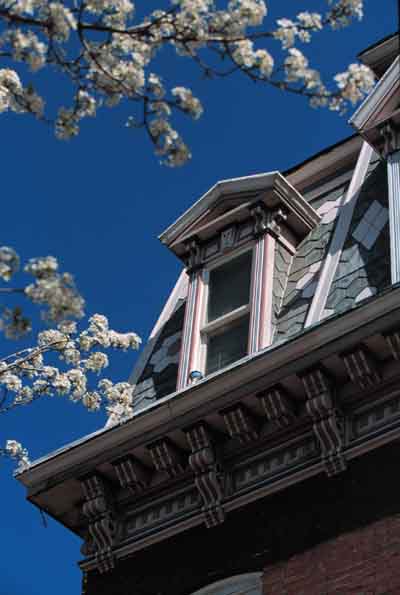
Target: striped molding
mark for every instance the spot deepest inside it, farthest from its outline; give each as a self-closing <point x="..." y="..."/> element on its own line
<point x="260" y="332"/>
<point x="393" y="165"/>
<point x="191" y="329"/>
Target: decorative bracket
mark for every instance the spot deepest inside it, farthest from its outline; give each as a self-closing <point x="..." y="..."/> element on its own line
<point x="362" y="367"/>
<point x="103" y="527"/>
<point x="209" y="479"/>
<point x="267" y="221"/>
<point x="393" y="342"/>
<point x="391" y="138"/>
<point x="131" y="473"/>
<point x="240" y="423"/>
<point x="167" y="457"/>
<point x="277" y="406"/>
<point x="326" y="421"/>
<point x="193" y="260"/>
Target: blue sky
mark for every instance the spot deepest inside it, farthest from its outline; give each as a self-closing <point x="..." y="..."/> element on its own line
<point x="98" y="203"/>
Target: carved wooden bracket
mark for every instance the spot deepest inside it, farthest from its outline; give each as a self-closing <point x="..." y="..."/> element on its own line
<point x="131" y="473"/>
<point x="277" y="406"/>
<point x="193" y="260"/>
<point x="393" y="341"/>
<point x="209" y="478"/>
<point x="326" y="421"/>
<point x="167" y="457"/>
<point x="267" y="221"/>
<point x="362" y="367"/>
<point x="103" y="526"/>
<point x="391" y="138"/>
<point x="240" y="423"/>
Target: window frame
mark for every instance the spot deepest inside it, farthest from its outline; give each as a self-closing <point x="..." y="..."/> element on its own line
<point x="218" y="325"/>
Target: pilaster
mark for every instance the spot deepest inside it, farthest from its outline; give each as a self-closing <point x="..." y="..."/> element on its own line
<point x="393" y="165"/>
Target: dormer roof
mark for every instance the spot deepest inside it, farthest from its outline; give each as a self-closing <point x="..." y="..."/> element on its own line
<point x="230" y="201"/>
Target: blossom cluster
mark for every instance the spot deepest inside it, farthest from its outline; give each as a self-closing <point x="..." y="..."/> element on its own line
<point x="16" y="451"/>
<point x="53" y="290"/>
<point x="14" y="97"/>
<point x="64" y="362"/>
<point x="108" y="52"/>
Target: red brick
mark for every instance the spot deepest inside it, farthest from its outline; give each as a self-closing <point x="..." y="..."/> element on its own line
<point x="362" y="562"/>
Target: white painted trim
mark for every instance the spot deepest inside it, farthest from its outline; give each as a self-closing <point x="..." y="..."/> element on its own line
<point x="225" y="320"/>
<point x="393" y="166"/>
<point x="375" y="101"/>
<point x="331" y="260"/>
<point x="179" y="292"/>
<point x="265" y="330"/>
<point x="210" y="328"/>
<point x="230" y="186"/>
<point x="284" y="191"/>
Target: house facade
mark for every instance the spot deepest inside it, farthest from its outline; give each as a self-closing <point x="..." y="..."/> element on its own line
<point x="263" y="454"/>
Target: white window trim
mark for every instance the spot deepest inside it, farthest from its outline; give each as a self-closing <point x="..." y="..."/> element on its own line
<point x="208" y="329"/>
<point x="196" y="328"/>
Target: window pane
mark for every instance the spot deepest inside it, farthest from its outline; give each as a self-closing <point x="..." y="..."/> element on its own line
<point x="229" y="286"/>
<point x="228" y="346"/>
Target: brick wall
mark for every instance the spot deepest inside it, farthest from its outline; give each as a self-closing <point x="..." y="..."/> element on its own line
<point x="363" y="562"/>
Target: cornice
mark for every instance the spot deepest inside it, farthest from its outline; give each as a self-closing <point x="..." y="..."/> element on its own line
<point x="251" y="374"/>
<point x="298" y="409"/>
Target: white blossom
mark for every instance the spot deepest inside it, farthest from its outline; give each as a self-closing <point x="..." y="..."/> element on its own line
<point x="155" y="85"/>
<point x="11" y="382"/>
<point x="55" y="290"/>
<point x="61" y="384"/>
<point x="61" y="20"/>
<point x="16" y="451"/>
<point x="265" y="62"/>
<point x="343" y="11"/>
<point x="187" y="102"/>
<point x="92" y="400"/>
<point x="10" y="90"/>
<point x="52" y="338"/>
<point x="355" y="82"/>
<point x="96" y="362"/>
<point x="9" y="262"/>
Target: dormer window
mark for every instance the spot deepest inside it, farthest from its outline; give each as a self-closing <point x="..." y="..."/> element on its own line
<point x="227" y="241"/>
<point x="225" y="332"/>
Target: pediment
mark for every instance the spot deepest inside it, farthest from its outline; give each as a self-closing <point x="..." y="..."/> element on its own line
<point x="230" y="202"/>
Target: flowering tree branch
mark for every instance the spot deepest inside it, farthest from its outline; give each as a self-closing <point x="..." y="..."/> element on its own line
<point x="107" y="52"/>
<point x="62" y="361"/>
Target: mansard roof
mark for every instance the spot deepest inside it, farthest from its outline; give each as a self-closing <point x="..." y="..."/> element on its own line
<point x="361" y="266"/>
